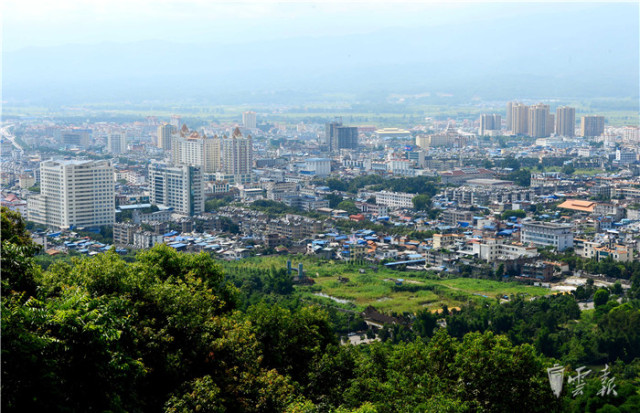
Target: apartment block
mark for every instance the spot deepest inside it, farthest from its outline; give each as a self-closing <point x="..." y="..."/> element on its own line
<point x="539" y="233"/>
<point x="394" y="199"/>
<point x="592" y="125"/>
<point x="74" y="193"/>
<point x="566" y="121"/>
<point x="177" y="186"/>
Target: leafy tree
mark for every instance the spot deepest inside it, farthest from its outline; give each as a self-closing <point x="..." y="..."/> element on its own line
<point x="601" y="297"/>
<point x="617" y="288"/>
<point x="421" y="202"/>
<point x="619" y="333"/>
<point x="483" y="357"/>
<point x="425" y="323"/>
<point x="521" y="177"/>
<point x="278" y="281"/>
<point x="331" y="374"/>
<point x="170" y="331"/>
<point x="336" y="184"/>
<point x="16" y="250"/>
<point x="568" y="169"/>
<point x="291" y="340"/>
<point x="519" y="213"/>
<point x="13" y="230"/>
<point x="215" y="204"/>
<point x="511" y="162"/>
<point x="334" y="200"/>
<point x="349" y="206"/>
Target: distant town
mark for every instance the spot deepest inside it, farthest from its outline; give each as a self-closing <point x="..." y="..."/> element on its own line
<point x="482" y="196"/>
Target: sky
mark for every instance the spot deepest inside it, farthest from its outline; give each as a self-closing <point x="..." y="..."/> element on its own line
<point x="104" y="50"/>
<point x="46" y="23"/>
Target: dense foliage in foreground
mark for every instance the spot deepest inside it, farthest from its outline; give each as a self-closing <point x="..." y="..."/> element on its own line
<point x="167" y="333"/>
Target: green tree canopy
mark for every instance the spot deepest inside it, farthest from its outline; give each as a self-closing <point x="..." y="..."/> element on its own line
<point x="421" y="202"/>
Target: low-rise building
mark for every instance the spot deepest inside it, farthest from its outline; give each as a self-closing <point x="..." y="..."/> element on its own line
<point x="556" y="235"/>
<point x="538" y="270"/>
<point x="445" y="240"/>
<point x="492" y="249"/>
<point x="394" y="199"/>
<point x="453" y="216"/>
<point x="123" y="233"/>
<point x="146" y="239"/>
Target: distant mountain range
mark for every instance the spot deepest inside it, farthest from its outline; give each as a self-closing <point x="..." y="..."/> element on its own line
<point x="553" y="57"/>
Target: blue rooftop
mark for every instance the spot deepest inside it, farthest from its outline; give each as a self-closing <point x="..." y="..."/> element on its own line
<point x="393" y="264"/>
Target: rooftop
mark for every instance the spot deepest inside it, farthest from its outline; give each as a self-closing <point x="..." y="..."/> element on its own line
<point x="578" y="205"/>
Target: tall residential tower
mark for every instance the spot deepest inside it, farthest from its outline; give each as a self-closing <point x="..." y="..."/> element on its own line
<point x="592" y="125"/>
<point x="164" y="135"/>
<point x="490" y="123"/>
<point x="519" y="119"/>
<point x="191" y="148"/>
<point x="74" y="193"/>
<point x="237" y="157"/>
<point x="566" y="121"/>
<point x="117" y="143"/>
<point x="177" y="186"/>
<point x="249" y="120"/>
<point x="540" y="121"/>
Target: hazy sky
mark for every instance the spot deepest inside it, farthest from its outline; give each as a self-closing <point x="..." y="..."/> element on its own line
<point x="58" y="22"/>
<point x="110" y="50"/>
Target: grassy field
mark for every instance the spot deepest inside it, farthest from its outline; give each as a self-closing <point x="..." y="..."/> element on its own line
<point x="373" y="285"/>
<point x="415" y="293"/>
<point x="578" y="171"/>
<point x="378" y="288"/>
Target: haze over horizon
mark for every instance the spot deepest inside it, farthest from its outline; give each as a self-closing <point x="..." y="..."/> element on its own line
<point x="287" y="52"/>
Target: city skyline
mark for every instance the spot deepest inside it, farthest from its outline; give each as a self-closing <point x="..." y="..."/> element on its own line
<point x="370" y="206"/>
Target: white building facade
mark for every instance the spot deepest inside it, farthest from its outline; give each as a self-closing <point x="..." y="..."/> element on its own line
<point x="558" y="236"/>
<point x="394" y="199"/>
<point x="74" y="194"/>
<point x="319" y="166"/>
<point x="177" y="186"/>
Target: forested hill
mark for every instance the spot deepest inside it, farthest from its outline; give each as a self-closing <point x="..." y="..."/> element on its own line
<point x="169" y="332"/>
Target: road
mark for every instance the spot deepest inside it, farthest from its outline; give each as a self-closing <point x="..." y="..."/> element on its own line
<point x="6" y="133"/>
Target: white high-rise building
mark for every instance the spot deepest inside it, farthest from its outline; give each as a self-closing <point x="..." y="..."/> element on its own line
<point x="177" y="186"/>
<point x="164" y="135"/>
<point x="319" y="166"/>
<point x="237" y="157"/>
<point x="490" y="123"/>
<point x="249" y="120"/>
<point x="117" y="143"/>
<point x="519" y="119"/>
<point x="191" y="148"/>
<point x="566" y="121"/>
<point x="539" y="121"/>
<point x="74" y="194"/>
<point x="508" y="117"/>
